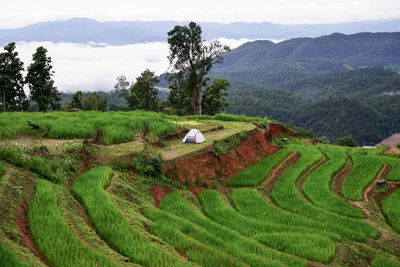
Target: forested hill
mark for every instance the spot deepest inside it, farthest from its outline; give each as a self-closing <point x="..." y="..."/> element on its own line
<point x="337" y="84"/>
<point x="264" y="63"/>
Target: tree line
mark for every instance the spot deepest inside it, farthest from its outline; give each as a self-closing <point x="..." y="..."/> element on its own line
<point x="191" y="92"/>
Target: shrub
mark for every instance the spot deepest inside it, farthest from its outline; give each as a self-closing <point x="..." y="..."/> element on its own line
<point x="148" y="165"/>
<point x="346" y="141"/>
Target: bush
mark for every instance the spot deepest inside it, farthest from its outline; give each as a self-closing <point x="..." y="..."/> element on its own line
<point x="346" y="141"/>
<point x="148" y="165"/>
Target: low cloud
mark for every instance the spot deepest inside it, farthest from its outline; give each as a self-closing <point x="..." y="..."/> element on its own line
<point x="95" y="67"/>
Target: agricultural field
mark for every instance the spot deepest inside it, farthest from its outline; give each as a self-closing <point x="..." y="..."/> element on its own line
<point x="121" y="189"/>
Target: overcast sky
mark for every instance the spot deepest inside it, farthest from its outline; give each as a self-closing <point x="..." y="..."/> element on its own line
<point x="17" y="13"/>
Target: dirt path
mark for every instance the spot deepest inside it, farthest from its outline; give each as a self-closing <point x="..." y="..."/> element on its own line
<point x="23" y="226"/>
<point x="273" y="177"/>
<point x="336" y="187"/>
<point x="303" y="178"/>
<point x="383" y="173"/>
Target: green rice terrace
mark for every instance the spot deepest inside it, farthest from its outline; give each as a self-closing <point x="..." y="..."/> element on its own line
<point x="121" y="189"/>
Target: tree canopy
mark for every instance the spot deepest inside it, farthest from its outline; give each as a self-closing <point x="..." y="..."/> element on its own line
<point x="40" y="81"/>
<point x="143" y="94"/>
<point x="11" y="80"/>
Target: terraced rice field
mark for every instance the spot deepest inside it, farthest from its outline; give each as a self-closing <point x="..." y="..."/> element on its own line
<point x="281" y="211"/>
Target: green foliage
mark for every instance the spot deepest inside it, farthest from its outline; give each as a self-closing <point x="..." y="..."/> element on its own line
<point x="143" y="94"/>
<point x="50" y="167"/>
<point x="346" y="141"/>
<point x="8" y="259"/>
<point x="311" y="247"/>
<point x="383" y="262"/>
<point x="394" y="174"/>
<point x="55" y="240"/>
<point x="192" y="60"/>
<point x="390" y="207"/>
<point x="199" y="246"/>
<point x="94" y="102"/>
<point x="111" y="127"/>
<point x="111" y="224"/>
<point x="178" y="100"/>
<point x="286" y="195"/>
<point x="148" y="165"/>
<point x="41" y="84"/>
<point x="77" y="100"/>
<point x="214" y="100"/>
<point x="256" y="173"/>
<point x="11" y="80"/>
<point x="244" y="248"/>
<point x="364" y="171"/>
<point x="317" y="186"/>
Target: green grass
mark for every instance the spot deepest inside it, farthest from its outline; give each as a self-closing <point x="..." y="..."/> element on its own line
<point x="286" y="195"/>
<point x="250" y="203"/>
<point x="113" y="127"/>
<point x="111" y="224"/>
<point x="187" y="237"/>
<point x="56" y="242"/>
<point x="257" y="173"/>
<point x="175" y="204"/>
<point x="390" y="207"/>
<point x="316" y="187"/>
<point x="8" y="259"/>
<point x="383" y="262"/>
<point x="365" y="169"/>
<point x="394" y="164"/>
<point x="309" y="246"/>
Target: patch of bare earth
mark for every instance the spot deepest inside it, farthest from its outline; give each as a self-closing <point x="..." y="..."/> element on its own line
<point x="159" y="193"/>
<point x="23" y="226"/>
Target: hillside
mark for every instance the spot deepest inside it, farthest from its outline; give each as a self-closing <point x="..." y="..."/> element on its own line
<point x="266" y="64"/>
<point x="123" y="190"/>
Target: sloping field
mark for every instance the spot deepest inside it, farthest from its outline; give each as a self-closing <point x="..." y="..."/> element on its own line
<point x="93" y="202"/>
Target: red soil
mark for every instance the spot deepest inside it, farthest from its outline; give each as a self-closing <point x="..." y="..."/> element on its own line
<point x="276" y="129"/>
<point x="158" y="194"/>
<point x="209" y="167"/>
<point x="23" y="226"/>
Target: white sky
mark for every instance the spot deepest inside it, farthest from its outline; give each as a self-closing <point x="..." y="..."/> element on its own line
<point x="17" y="13"/>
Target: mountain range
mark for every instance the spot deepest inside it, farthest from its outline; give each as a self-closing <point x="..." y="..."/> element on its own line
<point x="84" y="30"/>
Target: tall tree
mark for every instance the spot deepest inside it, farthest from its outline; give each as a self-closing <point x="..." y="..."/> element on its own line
<point x="41" y="84"/>
<point x="192" y="58"/>
<point x="214" y="100"/>
<point x="143" y="94"/>
<point x="94" y="102"/>
<point x="77" y="100"/>
<point x="11" y="79"/>
<point x="122" y="85"/>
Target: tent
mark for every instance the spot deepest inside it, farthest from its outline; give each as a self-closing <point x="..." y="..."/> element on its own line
<point x="194" y="136"/>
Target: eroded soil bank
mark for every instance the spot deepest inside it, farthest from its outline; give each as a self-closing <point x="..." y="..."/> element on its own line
<point x="209" y="167"/>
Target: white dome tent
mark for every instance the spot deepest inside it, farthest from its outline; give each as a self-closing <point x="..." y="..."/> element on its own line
<point x="194" y="136"/>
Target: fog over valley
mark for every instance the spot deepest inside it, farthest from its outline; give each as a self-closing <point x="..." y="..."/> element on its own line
<point x="94" y="67"/>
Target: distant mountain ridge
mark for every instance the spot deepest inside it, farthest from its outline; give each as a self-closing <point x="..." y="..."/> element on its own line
<point x="84" y="30"/>
<point x="266" y="64"/>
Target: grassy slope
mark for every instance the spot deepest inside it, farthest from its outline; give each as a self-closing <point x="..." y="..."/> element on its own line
<point x="131" y="195"/>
